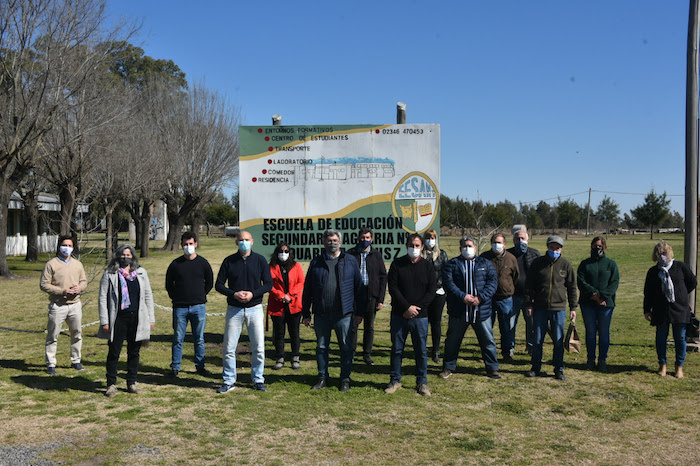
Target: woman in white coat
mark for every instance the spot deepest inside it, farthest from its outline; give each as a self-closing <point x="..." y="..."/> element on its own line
<point x="126" y="313"/>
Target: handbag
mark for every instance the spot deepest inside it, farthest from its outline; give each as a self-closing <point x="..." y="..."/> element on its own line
<point x="572" y="343"/>
<point x="693" y="329"/>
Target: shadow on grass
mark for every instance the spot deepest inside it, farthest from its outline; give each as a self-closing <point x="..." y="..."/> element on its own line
<point x="58" y="383"/>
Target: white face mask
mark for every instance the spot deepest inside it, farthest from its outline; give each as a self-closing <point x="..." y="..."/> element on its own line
<point x="188" y="249"/>
<point x="430" y="243"/>
<point x="497" y="247"/>
<point x="469" y="252"/>
<point x="283" y="256"/>
<point x="65" y="251"/>
<point x="414" y="253"/>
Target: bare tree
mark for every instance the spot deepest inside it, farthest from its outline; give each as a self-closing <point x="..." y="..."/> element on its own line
<point x="200" y="137"/>
<point x="39" y="73"/>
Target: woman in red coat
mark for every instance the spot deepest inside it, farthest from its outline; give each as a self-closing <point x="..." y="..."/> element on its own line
<point x="284" y="305"/>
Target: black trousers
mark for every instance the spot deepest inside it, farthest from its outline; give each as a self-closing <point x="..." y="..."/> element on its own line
<point x="368" y="332"/>
<point x="292" y="321"/>
<point x="124" y="329"/>
<point x="435" y="320"/>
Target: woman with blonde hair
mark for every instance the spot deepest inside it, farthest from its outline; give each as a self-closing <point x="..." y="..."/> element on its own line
<point x="432" y="253"/>
<point x="666" y="303"/>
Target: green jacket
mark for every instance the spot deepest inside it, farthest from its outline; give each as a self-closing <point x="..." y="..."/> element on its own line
<point x="551" y="284"/>
<point x="598" y="275"/>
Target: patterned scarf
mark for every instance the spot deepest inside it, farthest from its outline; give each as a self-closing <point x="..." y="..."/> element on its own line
<point x="123" y="277"/>
<point x="666" y="282"/>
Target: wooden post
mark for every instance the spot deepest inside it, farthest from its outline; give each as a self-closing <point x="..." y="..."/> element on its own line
<point x="691" y="145"/>
<point x="401" y="113"/>
<point x="276" y="120"/>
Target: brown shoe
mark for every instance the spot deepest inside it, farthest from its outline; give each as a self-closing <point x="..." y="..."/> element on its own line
<point x="445" y="373"/>
<point x="662" y="370"/>
<point x="679" y="372"/>
<point x="133" y="389"/>
<point x="392" y="387"/>
<point x="493" y="375"/>
<point x="423" y="390"/>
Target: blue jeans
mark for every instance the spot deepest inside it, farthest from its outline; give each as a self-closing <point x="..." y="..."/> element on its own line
<point x="597" y="321"/>
<point x="507" y="317"/>
<point x="518" y="306"/>
<point x="418" y="328"/>
<point x="678" y="339"/>
<point x="456" y="328"/>
<point x="255" y="323"/>
<point x="556" y="319"/>
<point x="323" y="324"/>
<point x="197" y="316"/>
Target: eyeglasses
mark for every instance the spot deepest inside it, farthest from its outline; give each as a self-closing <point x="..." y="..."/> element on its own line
<point x="284" y="250"/>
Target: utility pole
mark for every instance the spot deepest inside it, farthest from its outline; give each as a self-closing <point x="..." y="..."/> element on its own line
<point x="691" y="145"/>
<point x="588" y="214"/>
<point x="400" y="113"/>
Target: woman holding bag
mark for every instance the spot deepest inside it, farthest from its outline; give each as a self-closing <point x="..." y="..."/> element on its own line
<point x="598" y="278"/>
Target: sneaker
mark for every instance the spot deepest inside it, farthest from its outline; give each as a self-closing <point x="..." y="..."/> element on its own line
<point x="392" y="387"/>
<point x="295" y="363"/>
<point x="344" y="385"/>
<point x="493" y="375"/>
<point x="322" y="383"/>
<point x="423" y="390"/>
<point x="445" y="373"/>
<point x="51" y="370"/>
<point x="174" y="373"/>
<point x="77" y="366"/>
<point x="225" y="388"/>
<point x="534" y="373"/>
<point x="559" y="375"/>
<point x="133" y="389"/>
<point x="203" y="372"/>
<point x="260" y="387"/>
<point x="368" y="360"/>
<point x="279" y="365"/>
<point x="111" y="391"/>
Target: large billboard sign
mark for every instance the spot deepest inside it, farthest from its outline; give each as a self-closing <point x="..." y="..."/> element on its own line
<point x="298" y="181"/>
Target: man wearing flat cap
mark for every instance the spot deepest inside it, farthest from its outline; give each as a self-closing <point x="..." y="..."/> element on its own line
<point x="551" y="282"/>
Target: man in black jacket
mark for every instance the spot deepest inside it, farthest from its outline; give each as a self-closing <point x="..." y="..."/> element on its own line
<point x="244" y="277"/>
<point x="525" y="256"/>
<point x="374" y="279"/>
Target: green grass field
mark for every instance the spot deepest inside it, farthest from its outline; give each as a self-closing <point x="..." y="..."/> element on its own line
<point x="629" y="415"/>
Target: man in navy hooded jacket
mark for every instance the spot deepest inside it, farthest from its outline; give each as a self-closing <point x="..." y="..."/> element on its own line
<point x="470" y="282"/>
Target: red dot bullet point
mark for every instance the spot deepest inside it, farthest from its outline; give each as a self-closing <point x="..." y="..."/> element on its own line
<point x="269" y="161"/>
<point x="259" y="130"/>
<point x="254" y="179"/>
<point x="267" y="138"/>
<point x="270" y="149"/>
<point x="376" y="131"/>
<point x="264" y="172"/>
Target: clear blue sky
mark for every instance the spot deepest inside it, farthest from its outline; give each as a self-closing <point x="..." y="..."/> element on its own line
<point x="536" y="99"/>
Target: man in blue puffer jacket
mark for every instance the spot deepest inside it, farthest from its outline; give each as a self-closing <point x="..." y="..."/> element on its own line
<point x="334" y="287"/>
<point x="470" y="282"/>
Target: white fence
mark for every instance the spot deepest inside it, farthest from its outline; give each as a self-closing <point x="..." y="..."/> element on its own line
<point x="17" y="245"/>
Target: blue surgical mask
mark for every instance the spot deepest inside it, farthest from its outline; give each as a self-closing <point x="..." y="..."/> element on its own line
<point x="244" y="246"/>
<point x="521" y="245"/>
<point x="553" y="254"/>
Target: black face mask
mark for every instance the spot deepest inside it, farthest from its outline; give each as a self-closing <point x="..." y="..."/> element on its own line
<point x="597" y="252"/>
<point x="124" y="262"/>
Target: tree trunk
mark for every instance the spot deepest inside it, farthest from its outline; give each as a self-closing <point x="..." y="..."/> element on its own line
<point x="5" y="193"/>
<point x="176" y="221"/>
<point x="31" y="210"/>
<point x="145" y="222"/>
<point x="67" y="197"/>
<point x="109" y="227"/>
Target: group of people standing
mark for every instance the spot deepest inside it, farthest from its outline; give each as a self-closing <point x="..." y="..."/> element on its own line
<point x="344" y="289"/>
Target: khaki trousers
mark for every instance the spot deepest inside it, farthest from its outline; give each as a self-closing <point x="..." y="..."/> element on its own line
<point x="71" y="314"/>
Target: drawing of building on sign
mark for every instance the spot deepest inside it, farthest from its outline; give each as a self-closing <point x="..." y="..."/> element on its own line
<point x="344" y="169"/>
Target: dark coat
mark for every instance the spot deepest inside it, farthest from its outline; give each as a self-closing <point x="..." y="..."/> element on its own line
<point x="376" y="271"/>
<point x="454" y="282"/>
<point x="352" y="298"/>
<point x="655" y="302"/>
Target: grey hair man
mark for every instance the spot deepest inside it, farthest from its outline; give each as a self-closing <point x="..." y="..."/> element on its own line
<point x="525" y="255"/>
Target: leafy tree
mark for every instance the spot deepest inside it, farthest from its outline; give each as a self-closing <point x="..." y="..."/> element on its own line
<point x="654" y="210"/>
<point x="674" y="220"/>
<point x="547" y="214"/>
<point x="220" y="211"/>
<point x="608" y="212"/>
<point x="570" y="214"/>
<point x="530" y="217"/>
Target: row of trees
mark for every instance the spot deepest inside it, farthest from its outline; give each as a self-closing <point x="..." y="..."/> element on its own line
<point x="565" y="214"/>
<point x="88" y="116"/>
